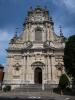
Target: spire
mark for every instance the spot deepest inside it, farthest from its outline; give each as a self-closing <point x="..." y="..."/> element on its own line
<point x="14" y="37"/>
<point x="30" y="10"/>
<point x="38" y="6"/>
<point x="45" y="7"/>
<point x="61" y="33"/>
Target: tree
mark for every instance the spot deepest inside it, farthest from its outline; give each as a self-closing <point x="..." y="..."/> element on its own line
<point x="63" y="82"/>
<point x="69" y="56"/>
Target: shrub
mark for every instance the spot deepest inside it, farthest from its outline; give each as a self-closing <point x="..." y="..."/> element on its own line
<point x="64" y="82"/>
<point x="7" y="88"/>
<point x="4" y="89"/>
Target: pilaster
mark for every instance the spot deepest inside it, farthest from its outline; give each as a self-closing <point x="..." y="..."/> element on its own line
<point x="52" y="60"/>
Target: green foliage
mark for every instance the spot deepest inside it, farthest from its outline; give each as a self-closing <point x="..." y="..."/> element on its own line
<point x="4" y="89"/>
<point x="64" y="81"/>
<point x="7" y="88"/>
<point x="69" y="56"/>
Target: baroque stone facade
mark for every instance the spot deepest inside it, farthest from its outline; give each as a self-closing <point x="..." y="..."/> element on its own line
<point x="36" y="56"/>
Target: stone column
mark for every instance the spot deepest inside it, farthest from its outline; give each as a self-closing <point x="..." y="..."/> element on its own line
<point x="28" y="71"/>
<point x="43" y="75"/>
<point x="49" y="34"/>
<point x="51" y="68"/>
<point x="29" y="33"/>
<point x="47" y="69"/>
<point x="8" y="75"/>
<point x="25" y="67"/>
<point x="46" y="76"/>
<point x="25" y="61"/>
<point x="46" y="31"/>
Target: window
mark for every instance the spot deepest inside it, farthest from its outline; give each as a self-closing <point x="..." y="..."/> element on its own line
<point x="38" y="34"/>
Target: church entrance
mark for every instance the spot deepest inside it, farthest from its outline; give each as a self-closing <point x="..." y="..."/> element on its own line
<point x="38" y="75"/>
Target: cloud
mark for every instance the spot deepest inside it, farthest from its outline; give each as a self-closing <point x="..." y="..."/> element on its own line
<point x="4" y="40"/>
<point x="2" y="53"/>
<point x="13" y="13"/>
<point x="66" y="4"/>
<point x="5" y="36"/>
<point x="70" y="4"/>
<point x="64" y="14"/>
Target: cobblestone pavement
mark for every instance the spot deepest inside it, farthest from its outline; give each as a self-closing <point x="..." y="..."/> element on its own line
<point x="34" y="96"/>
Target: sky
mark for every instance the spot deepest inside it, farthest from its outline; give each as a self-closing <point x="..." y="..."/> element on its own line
<point x="13" y="13"/>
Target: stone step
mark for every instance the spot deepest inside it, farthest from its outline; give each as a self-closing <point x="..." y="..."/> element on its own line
<point x="33" y="88"/>
<point x="30" y="87"/>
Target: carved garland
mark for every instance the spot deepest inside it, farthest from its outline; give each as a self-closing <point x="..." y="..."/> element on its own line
<point x="17" y="66"/>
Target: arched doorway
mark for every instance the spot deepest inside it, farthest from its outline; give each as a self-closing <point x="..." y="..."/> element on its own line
<point x="38" y="75"/>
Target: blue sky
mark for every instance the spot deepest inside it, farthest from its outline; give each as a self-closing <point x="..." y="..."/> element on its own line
<point x="13" y="13"/>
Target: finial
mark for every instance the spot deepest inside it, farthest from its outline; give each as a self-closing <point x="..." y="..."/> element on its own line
<point x="38" y="7"/>
<point x="26" y="18"/>
<point x="16" y="30"/>
<point x="51" y="19"/>
<point x="31" y="8"/>
<point x="15" y="34"/>
<point x="61" y="33"/>
<point x="45" y="7"/>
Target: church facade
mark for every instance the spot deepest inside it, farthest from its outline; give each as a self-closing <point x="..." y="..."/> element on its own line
<point x="36" y="56"/>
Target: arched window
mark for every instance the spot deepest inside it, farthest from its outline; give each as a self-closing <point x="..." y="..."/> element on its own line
<point x="38" y="34"/>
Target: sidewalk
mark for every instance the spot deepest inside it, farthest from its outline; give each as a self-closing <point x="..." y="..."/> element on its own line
<point x="63" y="97"/>
<point x="38" y="95"/>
